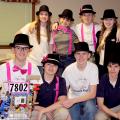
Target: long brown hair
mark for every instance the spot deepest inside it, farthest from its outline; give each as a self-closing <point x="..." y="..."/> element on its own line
<point x="48" y="28"/>
<point x="103" y="28"/>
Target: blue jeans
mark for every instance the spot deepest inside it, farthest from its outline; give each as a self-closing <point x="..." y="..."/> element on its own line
<point x="83" y="110"/>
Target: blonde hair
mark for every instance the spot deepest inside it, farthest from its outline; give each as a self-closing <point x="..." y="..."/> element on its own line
<point x="100" y="47"/>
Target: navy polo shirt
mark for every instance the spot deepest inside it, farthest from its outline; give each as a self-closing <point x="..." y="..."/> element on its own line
<point x="110" y="94"/>
<point x="46" y="94"/>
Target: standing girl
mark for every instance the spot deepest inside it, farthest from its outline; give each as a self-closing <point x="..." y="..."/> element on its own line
<point x="107" y="44"/>
<point x="40" y="35"/>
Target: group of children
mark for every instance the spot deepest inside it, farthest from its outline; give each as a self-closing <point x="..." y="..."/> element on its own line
<point x="69" y="80"/>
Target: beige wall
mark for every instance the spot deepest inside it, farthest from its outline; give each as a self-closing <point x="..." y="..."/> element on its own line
<point x="14" y="15"/>
<point x="57" y="6"/>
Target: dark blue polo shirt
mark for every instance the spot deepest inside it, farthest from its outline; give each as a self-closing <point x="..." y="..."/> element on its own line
<point x="46" y="94"/>
<point x="110" y="94"/>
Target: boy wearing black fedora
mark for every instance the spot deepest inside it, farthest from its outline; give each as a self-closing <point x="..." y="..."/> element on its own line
<point x="81" y="80"/>
<point x="63" y="38"/>
<point x="14" y="72"/>
<point x="86" y="30"/>
<point x="52" y="92"/>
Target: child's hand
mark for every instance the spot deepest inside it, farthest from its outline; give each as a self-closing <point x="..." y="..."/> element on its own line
<point x="55" y="26"/>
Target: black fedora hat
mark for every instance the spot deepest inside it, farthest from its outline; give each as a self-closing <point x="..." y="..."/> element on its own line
<point x="21" y="39"/>
<point x="114" y="58"/>
<point x="51" y="58"/>
<point x="87" y="9"/>
<point x="67" y="14"/>
<point x="81" y="46"/>
<point x="109" y="13"/>
<point x="44" y="8"/>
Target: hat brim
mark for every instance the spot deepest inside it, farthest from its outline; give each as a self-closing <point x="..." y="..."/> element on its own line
<point x="83" y="50"/>
<point x="37" y="13"/>
<point x="108" y="17"/>
<point x="62" y="16"/>
<point x="87" y="11"/>
<point x="13" y="45"/>
<point x="52" y="62"/>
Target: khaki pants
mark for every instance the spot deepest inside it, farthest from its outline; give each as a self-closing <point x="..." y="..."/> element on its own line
<point x="103" y="116"/>
<point x="58" y="114"/>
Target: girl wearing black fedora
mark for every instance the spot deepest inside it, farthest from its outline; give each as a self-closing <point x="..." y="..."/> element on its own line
<point x="63" y="38"/>
<point x="39" y="36"/>
<point x="107" y="44"/>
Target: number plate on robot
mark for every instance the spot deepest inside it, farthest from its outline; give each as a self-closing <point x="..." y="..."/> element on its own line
<point x="19" y="87"/>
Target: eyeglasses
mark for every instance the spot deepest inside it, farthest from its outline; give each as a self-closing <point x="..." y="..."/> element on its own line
<point x="19" y="48"/>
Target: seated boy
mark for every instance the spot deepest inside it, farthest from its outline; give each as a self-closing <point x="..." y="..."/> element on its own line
<point x="13" y="74"/>
<point x="81" y="80"/>
<point x="52" y="92"/>
<point x="108" y="92"/>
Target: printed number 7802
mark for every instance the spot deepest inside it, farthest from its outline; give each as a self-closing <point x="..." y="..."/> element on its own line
<point x="18" y="87"/>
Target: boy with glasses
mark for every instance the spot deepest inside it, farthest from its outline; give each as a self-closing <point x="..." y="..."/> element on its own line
<point x="14" y="72"/>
